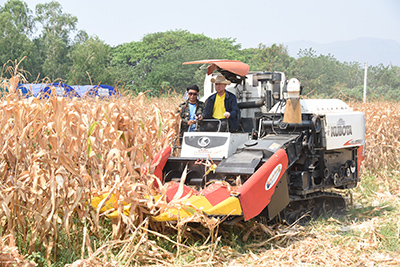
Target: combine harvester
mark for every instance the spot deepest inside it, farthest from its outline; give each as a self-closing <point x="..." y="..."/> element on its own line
<point x="287" y="159"/>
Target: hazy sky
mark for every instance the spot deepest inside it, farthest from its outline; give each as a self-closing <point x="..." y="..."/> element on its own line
<point x="250" y="22"/>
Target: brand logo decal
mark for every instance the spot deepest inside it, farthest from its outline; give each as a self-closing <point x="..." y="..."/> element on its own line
<point x="273" y="177"/>
<point x="204" y="141"/>
<point x="341" y="129"/>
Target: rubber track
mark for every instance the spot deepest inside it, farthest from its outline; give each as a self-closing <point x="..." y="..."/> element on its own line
<point x="315" y="205"/>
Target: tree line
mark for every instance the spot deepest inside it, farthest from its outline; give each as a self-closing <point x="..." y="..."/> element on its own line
<point x="49" y="47"/>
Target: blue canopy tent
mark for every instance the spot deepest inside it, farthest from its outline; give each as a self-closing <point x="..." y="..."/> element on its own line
<point x="24" y="90"/>
<point x="100" y="91"/>
<point x="43" y="90"/>
<point x="31" y="89"/>
<point x="58" y="89"/>
<point x="61" y="89"/>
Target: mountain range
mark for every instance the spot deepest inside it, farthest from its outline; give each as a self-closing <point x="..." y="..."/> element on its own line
<point x="372" y="51"/>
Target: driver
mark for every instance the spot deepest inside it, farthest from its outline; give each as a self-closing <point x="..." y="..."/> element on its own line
<point x="221" y="105"/>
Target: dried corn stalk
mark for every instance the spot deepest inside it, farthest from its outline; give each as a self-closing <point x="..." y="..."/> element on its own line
<point x="56" y="154"/>
<point x="382" y="121"/>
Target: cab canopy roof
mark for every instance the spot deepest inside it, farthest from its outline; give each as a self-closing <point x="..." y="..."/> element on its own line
<point x="233" y="66"/>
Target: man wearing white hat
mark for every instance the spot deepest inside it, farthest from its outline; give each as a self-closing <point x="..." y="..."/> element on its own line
<point x="222" y="105"/>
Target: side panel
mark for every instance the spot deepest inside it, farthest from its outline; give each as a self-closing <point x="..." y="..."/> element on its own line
<point x="344" y="130"/>
<point x="255" y="194"/>
<point x="280" y="199"/>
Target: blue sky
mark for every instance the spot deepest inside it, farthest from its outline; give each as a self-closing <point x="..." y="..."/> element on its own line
<point x="250" y="22"/>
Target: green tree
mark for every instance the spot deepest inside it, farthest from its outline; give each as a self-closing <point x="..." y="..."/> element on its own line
<point x="381" y="75"/>
<point x="81" y="37"/>
<point x="16" y="27"/>
<point x="320" y="75"/>
<point x="153" y="46"/>
<point x="169" y="68"/>
<point x="90" y="63"/>
<point x="157" y="60"/>
<point x="274" y="58"/>
<point x="54" y="41"/>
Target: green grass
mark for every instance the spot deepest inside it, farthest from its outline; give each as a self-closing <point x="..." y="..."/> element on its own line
<point x="390" y="237"/>
<point x="376" y="206"/>
<point x="68" y="246"/>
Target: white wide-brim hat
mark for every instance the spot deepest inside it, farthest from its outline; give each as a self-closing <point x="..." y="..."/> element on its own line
<point x="220" y="79"/>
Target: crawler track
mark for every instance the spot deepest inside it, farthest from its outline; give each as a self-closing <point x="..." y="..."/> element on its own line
<point x="313" y="206"/>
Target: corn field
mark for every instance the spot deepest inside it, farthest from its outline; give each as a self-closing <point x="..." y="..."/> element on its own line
<point x="58" y="153"/>
<point x="382" y="134"/>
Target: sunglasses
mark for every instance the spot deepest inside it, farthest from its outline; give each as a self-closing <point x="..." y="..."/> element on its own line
<point x="192" y="93"/>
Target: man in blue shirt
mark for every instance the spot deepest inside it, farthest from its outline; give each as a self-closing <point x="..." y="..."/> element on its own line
<point x="190" y="109"/>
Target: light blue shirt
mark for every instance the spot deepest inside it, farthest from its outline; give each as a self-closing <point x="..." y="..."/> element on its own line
<point x="192" y="113"/>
